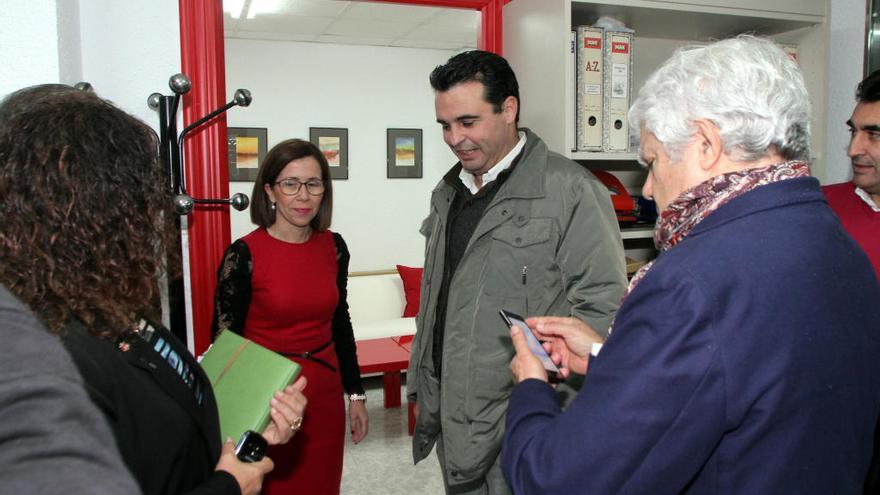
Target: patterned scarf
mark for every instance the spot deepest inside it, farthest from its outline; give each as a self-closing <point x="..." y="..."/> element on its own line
<point x="697" y="203"/>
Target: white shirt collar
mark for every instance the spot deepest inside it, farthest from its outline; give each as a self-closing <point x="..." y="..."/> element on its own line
<point x="867" y="199"/>
<point x="467" y="178"/>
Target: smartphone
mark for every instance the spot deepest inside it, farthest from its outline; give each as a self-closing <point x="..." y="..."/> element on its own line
<point x="251" y="447"/>
<point x="553" y="374"/>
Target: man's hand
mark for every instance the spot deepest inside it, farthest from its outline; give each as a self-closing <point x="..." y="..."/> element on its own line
<point x="568" y="341"/>
<point x="524" y="365"/>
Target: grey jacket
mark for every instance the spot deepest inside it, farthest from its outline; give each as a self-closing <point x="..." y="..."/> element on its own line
<point x="548" y="244"/>
<point x="53" y="440"/>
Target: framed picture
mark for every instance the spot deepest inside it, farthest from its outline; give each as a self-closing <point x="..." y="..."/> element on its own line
<point x="333" y="142"/>
<point x="247" y="148"/>
<point x="404" y="153"/>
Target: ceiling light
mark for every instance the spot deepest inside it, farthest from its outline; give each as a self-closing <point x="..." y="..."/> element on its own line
<point x="233" y="7"/>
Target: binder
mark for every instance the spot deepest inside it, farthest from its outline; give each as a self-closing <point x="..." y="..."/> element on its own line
<point x="590" y="83"/>
<point x="618" y="88"/>
<point x="245" y="376"/>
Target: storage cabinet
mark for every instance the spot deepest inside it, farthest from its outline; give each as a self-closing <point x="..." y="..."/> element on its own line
<point x="537" y="40"/>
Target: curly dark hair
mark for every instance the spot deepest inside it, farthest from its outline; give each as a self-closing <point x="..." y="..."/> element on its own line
<point x="84" y="209"/>
<point x="490" y="69"/>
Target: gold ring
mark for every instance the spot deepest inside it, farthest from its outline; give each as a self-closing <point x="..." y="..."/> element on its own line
<point x="297" y="424"/>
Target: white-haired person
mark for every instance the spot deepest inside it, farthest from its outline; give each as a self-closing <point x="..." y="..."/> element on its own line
<point x="744" y="358"/>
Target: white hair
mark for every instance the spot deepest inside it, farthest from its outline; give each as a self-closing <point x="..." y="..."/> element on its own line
<point x="748" y="87"/>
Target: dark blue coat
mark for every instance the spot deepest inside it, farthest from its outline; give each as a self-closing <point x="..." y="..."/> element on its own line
<point x="746" y="362"/>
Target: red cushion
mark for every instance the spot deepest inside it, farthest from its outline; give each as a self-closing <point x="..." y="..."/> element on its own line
<point x="412" y="283"/>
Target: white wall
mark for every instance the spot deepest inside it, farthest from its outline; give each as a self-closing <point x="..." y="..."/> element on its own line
<point x="29" y="43"/>
<point x="845" y="65"/>
<point x="127" y="50"/>
<point x="366" y="89"/>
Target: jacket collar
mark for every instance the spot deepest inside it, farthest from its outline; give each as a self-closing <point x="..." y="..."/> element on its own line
<point x="525" y="181"/>
<point x="139" y="354"/>
<point x="776" y="195"/>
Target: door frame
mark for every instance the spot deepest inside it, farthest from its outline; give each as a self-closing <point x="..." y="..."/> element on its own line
<point x="203" y="60"/>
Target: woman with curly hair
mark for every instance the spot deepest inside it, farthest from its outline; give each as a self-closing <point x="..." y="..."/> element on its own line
<point x="84" y="212"/>
<point x="284" y="287"/>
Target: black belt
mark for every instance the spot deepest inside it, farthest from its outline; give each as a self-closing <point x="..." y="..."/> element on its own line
<point x="311" y="356"/>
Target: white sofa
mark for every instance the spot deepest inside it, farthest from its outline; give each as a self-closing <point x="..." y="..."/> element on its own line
<point x="376" y="302"/>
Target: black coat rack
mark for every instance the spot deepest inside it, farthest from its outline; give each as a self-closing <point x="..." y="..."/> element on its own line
<point x="171" y="144"/>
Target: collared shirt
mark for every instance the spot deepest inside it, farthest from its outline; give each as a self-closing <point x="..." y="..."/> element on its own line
<point x="867" y="199"/>
<point x="468" y="180"/>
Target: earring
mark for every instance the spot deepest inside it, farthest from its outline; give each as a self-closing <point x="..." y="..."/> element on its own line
<point x="272" y="206"/>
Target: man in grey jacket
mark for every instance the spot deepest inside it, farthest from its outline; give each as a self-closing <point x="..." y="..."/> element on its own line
<point x="511" y="226"/>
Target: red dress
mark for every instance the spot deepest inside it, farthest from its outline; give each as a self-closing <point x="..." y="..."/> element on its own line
<point x="289" y="303"/>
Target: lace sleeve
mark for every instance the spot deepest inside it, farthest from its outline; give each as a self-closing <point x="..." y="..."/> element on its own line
<point x="343" y="333"/>
<point x="233" y="296"/>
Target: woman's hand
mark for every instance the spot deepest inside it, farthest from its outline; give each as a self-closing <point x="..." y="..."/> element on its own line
<point x="249" y="475"/>
<point x="287" y="408"/>
<point x="357" y="416"/>
<point x="568" y="341"/>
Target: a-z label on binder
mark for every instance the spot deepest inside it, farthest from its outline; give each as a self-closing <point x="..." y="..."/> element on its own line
<point x="590" y="83"/>
<point x="618" y="90"/>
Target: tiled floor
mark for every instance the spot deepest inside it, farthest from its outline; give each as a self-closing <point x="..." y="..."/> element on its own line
<point x="382" y="463"/>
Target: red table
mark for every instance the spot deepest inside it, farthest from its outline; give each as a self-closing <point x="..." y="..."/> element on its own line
<point x="384" y="356"/>
<point x="389" y="356"/>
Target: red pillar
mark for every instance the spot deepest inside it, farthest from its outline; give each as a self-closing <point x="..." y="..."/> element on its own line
<point x="490" y="33"/>
<point x="207" y="173"/>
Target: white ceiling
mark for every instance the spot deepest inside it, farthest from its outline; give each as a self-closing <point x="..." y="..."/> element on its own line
<point x="353" y="23"/>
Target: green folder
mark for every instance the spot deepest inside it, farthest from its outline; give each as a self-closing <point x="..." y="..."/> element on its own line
<point x="245" y="376"/>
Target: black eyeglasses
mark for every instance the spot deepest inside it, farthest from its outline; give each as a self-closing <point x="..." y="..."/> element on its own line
<point x="290" y="187"/>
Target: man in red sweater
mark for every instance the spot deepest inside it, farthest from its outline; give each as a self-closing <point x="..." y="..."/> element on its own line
<point x="857" y="203"/>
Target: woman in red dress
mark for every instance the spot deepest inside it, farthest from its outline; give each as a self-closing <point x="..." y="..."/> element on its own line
<point x="284" y="287"/>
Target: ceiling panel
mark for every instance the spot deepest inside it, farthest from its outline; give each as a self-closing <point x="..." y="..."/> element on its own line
<point x="313" y="8"/>
<point x="352" y="22"/>
<point x="443" y="33"/>
<point x="457" y="17"/>
<point x="257" y="35"/>
<point x="287" y="24"/>
<point x="369" y="29"/>
<point x="440" y="45"/>
<point x="389" y="12"/>
<point x="347" y="40"/>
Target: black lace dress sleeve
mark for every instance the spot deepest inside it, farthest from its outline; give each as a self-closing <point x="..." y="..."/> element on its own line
<point x="233" y="296"/>
<point x="343" y="333"/>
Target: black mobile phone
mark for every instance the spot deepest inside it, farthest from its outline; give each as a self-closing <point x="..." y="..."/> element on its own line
<point x="553" y="374"/>
<point x="251" y="447"/>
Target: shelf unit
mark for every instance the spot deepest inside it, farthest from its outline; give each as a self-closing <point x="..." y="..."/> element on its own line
<point x="537" y="40"/>
<point x="637" y="232"/>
